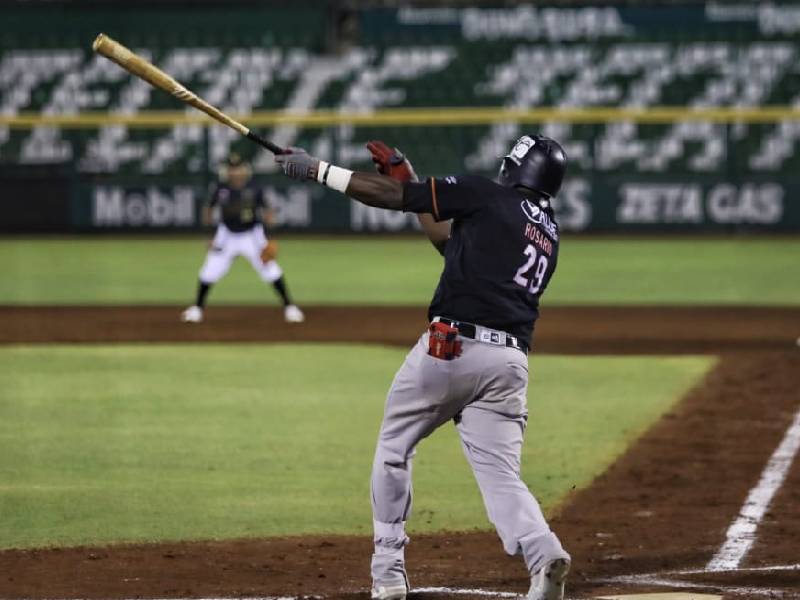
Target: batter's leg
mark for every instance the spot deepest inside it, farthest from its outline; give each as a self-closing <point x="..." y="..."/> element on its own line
<point x="418" y="402"/>
<point x="492" y="443"/>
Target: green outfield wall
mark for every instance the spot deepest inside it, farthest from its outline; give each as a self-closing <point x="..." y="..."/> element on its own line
<point x="675" y="117"/>
<point x="586" y="204"/>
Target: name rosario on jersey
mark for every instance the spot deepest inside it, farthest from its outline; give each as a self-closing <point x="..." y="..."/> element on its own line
<point x="539" y="239"/>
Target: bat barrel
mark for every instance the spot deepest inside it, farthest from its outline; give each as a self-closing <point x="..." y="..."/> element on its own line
<point x="144" y="69"/>
<point x="98" y="42"/>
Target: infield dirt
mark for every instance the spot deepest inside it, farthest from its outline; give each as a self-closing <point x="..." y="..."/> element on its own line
<point x="562" y="329"/>
<point x="664" y="506"/>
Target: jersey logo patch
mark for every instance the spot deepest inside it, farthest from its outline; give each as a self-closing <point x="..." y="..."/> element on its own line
<point x="538" y="216"/>
<point x="533" y="212"/>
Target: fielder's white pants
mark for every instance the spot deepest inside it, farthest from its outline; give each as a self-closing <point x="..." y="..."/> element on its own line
<point x="227" y="245"/>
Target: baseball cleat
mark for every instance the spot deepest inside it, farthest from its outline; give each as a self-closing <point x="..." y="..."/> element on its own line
<point x="193" y="314"/>
<point x="548" y="583"/>
<point x="389" y="592"/>
<point x="293" y="314"/>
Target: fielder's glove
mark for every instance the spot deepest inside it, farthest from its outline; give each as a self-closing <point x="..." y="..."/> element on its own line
<point x="269" y="252"/>
<point x="391" y="162"/>
<point x="298" y="164"/>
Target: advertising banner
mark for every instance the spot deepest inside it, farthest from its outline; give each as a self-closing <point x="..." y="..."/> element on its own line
<point x="586" y="204"/>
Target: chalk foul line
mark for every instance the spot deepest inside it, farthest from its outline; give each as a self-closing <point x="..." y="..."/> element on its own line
<point x="665" y="580"/>
<point x="795" y="567"/>
<point x="742" y="532"/>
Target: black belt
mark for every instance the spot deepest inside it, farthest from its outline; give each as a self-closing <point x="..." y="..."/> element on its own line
<point x="469" y="330"/>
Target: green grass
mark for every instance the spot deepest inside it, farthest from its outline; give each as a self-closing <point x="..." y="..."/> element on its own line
<point x="403" y="271"/>
<point x="138" y="443"/>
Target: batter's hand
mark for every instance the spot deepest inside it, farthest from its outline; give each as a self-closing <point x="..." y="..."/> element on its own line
<point x="298" y="164"/>
<point x="391" y="162"/>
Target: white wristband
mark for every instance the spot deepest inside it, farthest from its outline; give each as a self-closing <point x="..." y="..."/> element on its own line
<point x="334" y="177"/>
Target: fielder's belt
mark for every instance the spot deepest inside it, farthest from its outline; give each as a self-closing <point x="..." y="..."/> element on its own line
<point x="484" y="334"/>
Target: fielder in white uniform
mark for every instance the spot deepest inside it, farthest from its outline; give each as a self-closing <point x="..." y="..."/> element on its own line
<point x="242" y="215"/>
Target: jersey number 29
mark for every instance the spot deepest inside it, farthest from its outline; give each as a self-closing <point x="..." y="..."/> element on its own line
<point x="534" y="284"/>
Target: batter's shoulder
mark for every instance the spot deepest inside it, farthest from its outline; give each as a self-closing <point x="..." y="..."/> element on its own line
<point x="475" y="186"/>
<point x="477" y="182"/>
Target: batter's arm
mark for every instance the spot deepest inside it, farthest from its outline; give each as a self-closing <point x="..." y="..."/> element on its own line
<point x="368" y="188"/>
<point x="377" y="190"/>
<point x="384" y="192"/>
<point x="438" y="232"/>
<point x="371" y="189"/>
<point x="391" y="162"/>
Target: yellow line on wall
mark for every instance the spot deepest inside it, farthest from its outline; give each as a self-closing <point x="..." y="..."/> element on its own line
<point x="445" y="116"/>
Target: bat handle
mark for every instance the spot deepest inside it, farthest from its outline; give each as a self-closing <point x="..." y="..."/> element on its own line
<point x="274" y="148"/>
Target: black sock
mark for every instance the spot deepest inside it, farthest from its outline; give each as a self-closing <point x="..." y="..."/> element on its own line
<point x="280" y="287"/>
<point x="202" y="291"/>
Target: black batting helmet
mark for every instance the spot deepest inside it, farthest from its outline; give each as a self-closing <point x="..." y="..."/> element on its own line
<point x="535" y="162"/>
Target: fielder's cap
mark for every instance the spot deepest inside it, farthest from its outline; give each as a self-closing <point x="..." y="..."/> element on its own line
<point x="235" y="160"/>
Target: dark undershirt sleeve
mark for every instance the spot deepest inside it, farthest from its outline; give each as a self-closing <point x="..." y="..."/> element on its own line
<point x="447" y="198"/>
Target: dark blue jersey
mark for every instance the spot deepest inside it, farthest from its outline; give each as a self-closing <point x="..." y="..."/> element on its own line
<point x="240" y="208"/>
<point x="501" y="253"/>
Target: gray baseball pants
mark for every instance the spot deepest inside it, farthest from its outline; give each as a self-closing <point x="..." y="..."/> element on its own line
<point x="484" y="390"/>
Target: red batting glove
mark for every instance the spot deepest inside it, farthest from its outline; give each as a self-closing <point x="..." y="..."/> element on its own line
<point x="391" y="162"/>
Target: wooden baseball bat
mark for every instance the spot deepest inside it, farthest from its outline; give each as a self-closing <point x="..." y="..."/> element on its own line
<point x="133" y="63"/>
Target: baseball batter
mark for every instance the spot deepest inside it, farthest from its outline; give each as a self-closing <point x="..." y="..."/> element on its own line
<point x="500" y="246"/>
<point x="243" y="217"/>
